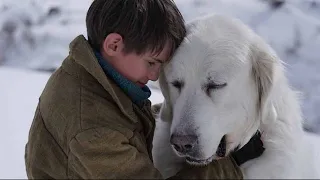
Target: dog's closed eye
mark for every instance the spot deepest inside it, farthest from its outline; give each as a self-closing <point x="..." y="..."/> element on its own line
<point x="178" y="84"/>
<point x="213" y="86"/>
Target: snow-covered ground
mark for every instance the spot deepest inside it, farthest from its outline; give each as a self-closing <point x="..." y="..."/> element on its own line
<point x="20" y="90"/>
<point x="35" y="34"/>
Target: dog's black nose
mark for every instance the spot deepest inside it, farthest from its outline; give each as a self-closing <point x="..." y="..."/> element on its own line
<point x="183" y="143"/>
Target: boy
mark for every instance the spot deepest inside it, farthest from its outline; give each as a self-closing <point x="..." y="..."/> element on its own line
<point x="94" y="119"/>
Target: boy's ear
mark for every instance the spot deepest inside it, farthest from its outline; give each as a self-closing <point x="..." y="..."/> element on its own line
<point x="113" y="44"/>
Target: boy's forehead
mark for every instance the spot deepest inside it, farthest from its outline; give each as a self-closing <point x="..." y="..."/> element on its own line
<point x="162" y="57"/>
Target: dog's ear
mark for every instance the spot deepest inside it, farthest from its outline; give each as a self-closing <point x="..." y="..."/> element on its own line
<point x="166" y="108"/>
<point x="264" y="61"/>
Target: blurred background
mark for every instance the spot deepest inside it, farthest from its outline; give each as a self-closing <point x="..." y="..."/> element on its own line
<point x="35" y="36"/>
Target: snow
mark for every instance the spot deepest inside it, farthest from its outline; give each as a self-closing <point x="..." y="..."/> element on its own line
<point x="36" y="31"/>
<point x="20" y="90"/>
<point x="35" y="35"/>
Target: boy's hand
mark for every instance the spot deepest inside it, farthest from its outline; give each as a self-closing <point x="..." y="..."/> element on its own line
<point x="253" y="149"/>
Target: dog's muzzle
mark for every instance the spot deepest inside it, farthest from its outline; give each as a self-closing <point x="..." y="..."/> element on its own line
<point x="221" y="152"/>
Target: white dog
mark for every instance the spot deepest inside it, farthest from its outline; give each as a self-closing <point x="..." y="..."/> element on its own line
<point x="225" y="81"/>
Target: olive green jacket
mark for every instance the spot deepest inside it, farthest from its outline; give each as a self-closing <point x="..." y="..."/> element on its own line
<point x="86" y="127"/>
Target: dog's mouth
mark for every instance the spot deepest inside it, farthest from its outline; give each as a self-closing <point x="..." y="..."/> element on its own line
<point x="194" y="161"/>
<point x="222" y="148"/>
<point x="221" y="152"/>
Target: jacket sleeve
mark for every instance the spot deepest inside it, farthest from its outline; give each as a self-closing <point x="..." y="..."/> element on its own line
<point x="225" y="168"/>
<point x="110" y="156"/>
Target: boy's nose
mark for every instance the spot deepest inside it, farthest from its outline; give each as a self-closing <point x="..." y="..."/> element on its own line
<point x="153" y="75"/>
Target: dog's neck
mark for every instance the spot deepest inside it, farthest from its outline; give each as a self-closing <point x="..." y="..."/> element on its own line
<point x="280" y="121"/>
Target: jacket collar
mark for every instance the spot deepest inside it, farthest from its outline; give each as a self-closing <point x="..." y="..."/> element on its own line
<point x="137" y="94"/>
<point x="82" y="53"/>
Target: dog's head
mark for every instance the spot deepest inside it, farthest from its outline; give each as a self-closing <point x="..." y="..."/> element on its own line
<point x="216" y="88"/>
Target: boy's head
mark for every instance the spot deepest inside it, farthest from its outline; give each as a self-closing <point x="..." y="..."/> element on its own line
<point x="135" y="36"/>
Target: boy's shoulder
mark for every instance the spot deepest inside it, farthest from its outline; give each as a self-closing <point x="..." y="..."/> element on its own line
<point x="79" y="91"/>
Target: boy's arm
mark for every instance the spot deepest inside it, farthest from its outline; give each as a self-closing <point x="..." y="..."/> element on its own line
<point x="104" y="155"/>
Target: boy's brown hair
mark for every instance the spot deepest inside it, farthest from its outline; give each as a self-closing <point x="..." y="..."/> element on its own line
<point x="145" y="25"/>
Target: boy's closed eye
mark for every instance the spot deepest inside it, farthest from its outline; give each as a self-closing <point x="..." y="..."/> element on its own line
<point x="152" y="63"/>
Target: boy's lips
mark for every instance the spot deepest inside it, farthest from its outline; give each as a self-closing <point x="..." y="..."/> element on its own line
<point x="141" y="84"/>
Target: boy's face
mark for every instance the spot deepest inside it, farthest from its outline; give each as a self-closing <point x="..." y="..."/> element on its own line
<point x="137" y="68"/>
<point x="141" y="68"/>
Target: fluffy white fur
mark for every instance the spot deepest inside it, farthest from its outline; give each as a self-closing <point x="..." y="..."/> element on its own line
<point x="257" y="95"/>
